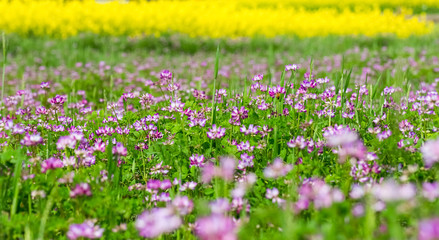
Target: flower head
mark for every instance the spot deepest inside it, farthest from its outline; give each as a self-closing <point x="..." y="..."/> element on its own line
<point x="215" y="227"/>
<point x="277" y="169"/>
<point x="87" y="229"/>
<point x="216" y="132"/>
<point x="151" y="224"/>
<point x="430" y="152"/>
<point x="291" y="67"/>
<point x="429" y="229"/>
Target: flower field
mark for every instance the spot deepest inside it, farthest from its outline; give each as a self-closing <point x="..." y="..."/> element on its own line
<point x="214" y="19"/>
<point x="249" y="120"/>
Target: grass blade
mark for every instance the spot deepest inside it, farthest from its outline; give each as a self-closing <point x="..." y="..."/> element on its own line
<point x="214" y="84"/>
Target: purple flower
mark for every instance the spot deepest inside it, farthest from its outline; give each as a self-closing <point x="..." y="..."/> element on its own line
<point x="166" y="75"/>
<point x="151" y="224"/>
<point x="119" y="149"/>
<point x="220" y="206"/>
<point x="41" y="110"/>
<point x="51" y="163"/>
<point x="258" y="77"/>
<point x="405" y="126"/>
<point x="65" y="142"/>
<point x="358" y="210"/>
<point x="197" y="160"/>
<point x="430" y="190"/>
<point x="384" y="135"/>
<point x="346" y="142"/>
<point x="58" y="100"/>
<point x="86" y="229"/>
<point x="188" y="185"/>
<point x="31" y="140"/>
<point x="245" y="146"/>
<point x="216" y="132"/>
<point x="318" y="192"/>
<point x="339" y="135"/>
<point x="252" y="130"/>
<point x="227" y="165"/>
<point x="363" y="170"/>
<point x="183" y="205"/>
<point x="429" y="229"/>
<point x="430" y="152"/>
<point x="298" y="142"/>
<point x="246" y="161"/>
<point x="165" y="184"/>
<point x="276" y="91"/>
<point x="237" y="114"/>
<point x="209" y="171"/>
<point x="225" y="170"/>
<point x="277" y="169"/>
<point x="389" y="191"/>
<point x="99" y="145"/>
<point x="44" y="85"/>
<point x="291" y="67"/>
<point x="308" y="75"/>
<point x="108" y="131"/>
<point x="80" y="190"/>
<point x="215" y="227"/>
<point x="273" y="194"/>
<point x="153" y="184"/>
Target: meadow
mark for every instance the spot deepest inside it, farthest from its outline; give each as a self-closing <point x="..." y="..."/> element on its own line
<point x="132" y="125"/>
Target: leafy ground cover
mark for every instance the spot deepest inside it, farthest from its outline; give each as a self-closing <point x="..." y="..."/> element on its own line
<point x="325" y="138"/>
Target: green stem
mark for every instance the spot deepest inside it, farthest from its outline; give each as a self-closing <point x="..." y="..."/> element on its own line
<point x="46" y="212"/>
<point x="4" y="64"/>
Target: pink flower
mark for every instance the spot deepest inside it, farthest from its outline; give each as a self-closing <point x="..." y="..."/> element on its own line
<point x="429" y="229"/>
<point x="58" y="100"/>
<point x="166" y="75"/>
<point x="277" y="169"/>
<point x="291" y="67"/>
<point x="215" y="227"/>
<point x="183" y="205"/>
<point x="65" y="142"/>
<point x="276" y="91"/>
<point x="220" y="206"/>
<point x="151" y="224"/>
<point x="197" y="160"/>
<point x="225" y="170"/>
<point x="227" y="165"/>
<point x="237" y="114"/>
<point x="273" y="194"/>
<point x="430" y="152"/>
<point x="119" y="149"/>
<point x="252" y="130"/>
<point x="51" y="163"/>
<point x="44" y="85"/>
<point x="430" y="190"/>
<point x="86" y="229"/>
<point x="339" y="136"/>
<point x="245" y="146"/>
<point x="389" y="191"/>
<point x="31" y="140"/>
<point x="246" y="161"/>
<point x="80" y="190"/>
<point x="258" y="77"/>
<point x="216" y="132"/>
<point x="318" y="192"/>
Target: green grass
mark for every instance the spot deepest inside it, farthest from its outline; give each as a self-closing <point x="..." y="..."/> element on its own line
<point x="90" y="48"/>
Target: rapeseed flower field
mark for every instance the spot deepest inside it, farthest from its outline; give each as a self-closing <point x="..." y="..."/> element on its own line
<point x="212" y="19"/>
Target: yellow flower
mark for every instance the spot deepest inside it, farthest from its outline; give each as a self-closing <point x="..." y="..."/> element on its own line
<point x="214" y="19"/>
